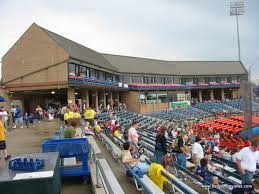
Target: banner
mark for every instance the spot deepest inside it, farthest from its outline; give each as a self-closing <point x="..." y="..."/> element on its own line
<point x="179" y="104"/>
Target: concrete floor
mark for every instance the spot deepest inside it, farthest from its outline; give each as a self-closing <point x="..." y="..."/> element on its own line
<point x="29" y="140"/>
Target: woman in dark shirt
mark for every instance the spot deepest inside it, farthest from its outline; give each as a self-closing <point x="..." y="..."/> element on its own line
<point x="160" y="148"/>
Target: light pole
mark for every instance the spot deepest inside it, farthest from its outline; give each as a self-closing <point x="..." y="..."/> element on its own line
<point x="237" y="8"/>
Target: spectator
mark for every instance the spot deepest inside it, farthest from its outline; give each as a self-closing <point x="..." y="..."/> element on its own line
<point x="246" y="162"/>
<point x="13" y="109"/>
<point x="63" y="111"/>
<point x="68" y="115"/>
<point x="160" y="148"/>
<point x="128" y="159"/>
<point x="98" y="128"/>
<point x="31" y="119"/>
<point x="234" y="156"/>
<point x="89" y="116"/>
<point x="39" y="112"/>
<point x="5" y="115"/>
<point x="197" y="151"/>
<point x="204" y="174"/>
<point x="180" y="149"/>
<point x="51" y="112"/>
<point x="18" y="117"/>
<point x="26" y="119"/>
<point x="2" y="137"/>
<point x="133" y="134"/>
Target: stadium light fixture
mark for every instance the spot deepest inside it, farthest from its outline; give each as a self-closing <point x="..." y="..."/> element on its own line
<point x="237" y="8"/>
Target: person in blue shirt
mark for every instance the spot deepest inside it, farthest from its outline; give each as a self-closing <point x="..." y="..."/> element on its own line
<point x="203" y="173"/>
<point x="18" y="117"/>
<point x="31" y="119"/>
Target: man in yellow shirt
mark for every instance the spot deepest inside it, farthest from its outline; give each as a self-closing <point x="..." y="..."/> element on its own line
<point x="2" y="137"/>
<point x="68" y="115"/>
<point x="89" y="116"/>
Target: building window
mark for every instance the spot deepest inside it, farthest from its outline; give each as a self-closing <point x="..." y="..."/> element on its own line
<point x="162" y="98"/>
<point x="127" y="79"/>
<point x="82" y="70"/>
<point x="168" y="80"/>
<point x="163" y="80"/>
<point x="206" y="80"/>
<point x="183" y="96"/>
<point x="229" y="79"/>
<point x="142" y="98"/>
<point x="72" y="69"/>
<point x="218" y="79"/>
<point x="108" y="76"/>
<point x="176" y="80"/>
<point x="117" y="78"/>
<point x="92" y="73"/>
<point x="200" y="80"/>
<point x="137" y="79"/>
<point x="153" y="80"/>
<point x="151" y="98"/>
<point x="101" y="75"/>
<point x="212" y="79"/>
<point x="195" y="80"/>
<point x="145" y="80"/>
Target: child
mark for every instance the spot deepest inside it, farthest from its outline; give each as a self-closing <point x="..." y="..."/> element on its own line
<point x="87" y="129"/>
<point x="26" y="119"/>
<point x="98" y="128"/>
<point x="204" y="174"/>
<point x="2" y="137"/>
<point x="31" y="119"/>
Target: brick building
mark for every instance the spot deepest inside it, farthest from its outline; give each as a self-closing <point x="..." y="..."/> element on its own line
<point x="45" y="68"/>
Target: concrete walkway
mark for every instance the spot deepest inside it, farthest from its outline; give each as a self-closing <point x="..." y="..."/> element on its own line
<point x="127" y="185"/>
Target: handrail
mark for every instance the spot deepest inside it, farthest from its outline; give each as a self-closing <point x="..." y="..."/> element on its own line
<point x="104" y="172"/>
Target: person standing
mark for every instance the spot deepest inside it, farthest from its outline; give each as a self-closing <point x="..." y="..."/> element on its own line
<point x="181" y="152"/>
<point x="133" y="134"/>
<point x="39" y="112"/>
<point x="2" y="137"/>
<point x="160" y="147"/>
<point x="13" y="109"/>
<point x="247" y="160"/>
<point x="197" y="151"/>
<point x="18" y="117"/>
<point x="89" y="116"/>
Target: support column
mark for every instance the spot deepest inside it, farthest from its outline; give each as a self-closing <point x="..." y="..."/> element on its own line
<point x="96" y="100"/>
<point x="111" y="100"/>
<point x="200" y="95"/>
<point x="71" y="99"/>
<point x="222" y="94"/>
<point x="211" y="94"/>
<point x="85" y="98"/>
<point x="104" y="99"/>
<point x="234" y="93"/>
<point x="118" y="100"/>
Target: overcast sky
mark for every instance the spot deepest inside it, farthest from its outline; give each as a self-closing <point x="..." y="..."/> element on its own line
<point x="162" y="29"/>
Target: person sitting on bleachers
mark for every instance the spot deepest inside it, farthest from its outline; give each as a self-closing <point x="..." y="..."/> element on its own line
<point x="98" y="128"/>
<point x="118" y="134"/>
<point x="203" y="173"/>
<point x="134" y="163"/>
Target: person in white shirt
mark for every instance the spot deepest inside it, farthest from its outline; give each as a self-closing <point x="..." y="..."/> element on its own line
<point x="234" y="156"/>
<point x="197" y="151"/>
<point x="246" y="160"/>
<point x="133" y="134"/>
